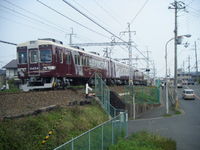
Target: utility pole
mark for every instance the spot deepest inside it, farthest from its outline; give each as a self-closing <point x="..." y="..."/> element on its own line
<point x="177" y="5"/>
<point x="148" y="70"/>
<point x="130" y="53"/>
<point x="70" y="36"/>
<point x="184" y="66"/>
<point x="195" y="48"/>
<point x="189" y="64"/>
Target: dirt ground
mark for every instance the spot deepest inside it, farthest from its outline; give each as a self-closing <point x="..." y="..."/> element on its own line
<point x="19" y="103"/>
<point x="22" y="102"/>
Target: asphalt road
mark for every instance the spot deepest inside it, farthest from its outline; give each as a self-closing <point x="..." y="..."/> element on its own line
<point x="184" y="128"/>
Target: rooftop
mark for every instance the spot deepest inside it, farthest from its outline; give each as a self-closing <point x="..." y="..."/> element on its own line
<point x="11" y="65"/>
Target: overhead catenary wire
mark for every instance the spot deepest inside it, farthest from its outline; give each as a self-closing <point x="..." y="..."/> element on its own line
<point x="10" y="43"/>
<point x="92" y="20"/>
<point x="90" y="12"/>
<point x="107" y="12"/>
<point x="53" y="25"/>
<point x="72" y="19"/>
<point x="26" y="16"/>
<point x="99" y="25"/>
<point x="140" y="10"/>
<point x="28" y="26"/>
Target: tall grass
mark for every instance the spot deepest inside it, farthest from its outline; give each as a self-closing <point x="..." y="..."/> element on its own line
<point x="28" y="133"/>
<point x="144" y="141"/>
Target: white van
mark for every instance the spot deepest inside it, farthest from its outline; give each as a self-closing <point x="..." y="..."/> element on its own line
<point x="188" y="94"/>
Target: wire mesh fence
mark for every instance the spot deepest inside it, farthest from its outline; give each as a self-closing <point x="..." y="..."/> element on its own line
<point x="106" y="134"/>
<point x="103" y="93"/>
<point x="100" y="137"/>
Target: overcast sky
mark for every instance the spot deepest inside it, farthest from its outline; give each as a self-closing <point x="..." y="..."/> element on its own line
<point x="154" y="26"/>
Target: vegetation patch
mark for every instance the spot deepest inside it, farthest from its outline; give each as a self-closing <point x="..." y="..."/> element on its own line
<point x="167" y="115"/>
<point x="144" y="141"/>
<point x="65" y="123"/>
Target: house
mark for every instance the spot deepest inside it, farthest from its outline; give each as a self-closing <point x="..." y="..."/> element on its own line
<point x="2" y="77"/>
<point x="11" y="69"/>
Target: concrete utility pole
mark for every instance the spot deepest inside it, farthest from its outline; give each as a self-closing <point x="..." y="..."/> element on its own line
<point x="148" y="70"/>
<point x="189" y="64"/>
<point x="195" y="48"/>
<point x="184" y="66"/>
<point x="177" y="5"/>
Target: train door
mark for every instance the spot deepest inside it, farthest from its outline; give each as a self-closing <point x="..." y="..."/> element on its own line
<point x="68" y="62"/>
<point x="59" y="62"/>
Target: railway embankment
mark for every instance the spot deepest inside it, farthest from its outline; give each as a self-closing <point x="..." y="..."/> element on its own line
<point x="12" y="104"/>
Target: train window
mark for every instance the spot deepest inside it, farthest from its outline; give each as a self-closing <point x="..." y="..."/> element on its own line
<point x="68" y="59"/>
<point x="34" y="56"/>
<point x="76" y="59"/>
<point x="22" y="57"/>
<point x="87" y="61"/>
<point x="45" y="56"/>
<point x="83" y="61"/>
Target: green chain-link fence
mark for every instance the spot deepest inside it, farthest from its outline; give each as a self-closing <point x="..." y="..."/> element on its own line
<point x="100" y="137"/>
<point x="142" y="94"/>
<point x="103" y="93"/>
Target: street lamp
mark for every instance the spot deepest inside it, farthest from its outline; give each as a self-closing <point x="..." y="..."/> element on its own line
<point x="179" y="41"/>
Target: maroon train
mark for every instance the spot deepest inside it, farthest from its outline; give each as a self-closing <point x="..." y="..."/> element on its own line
<point x="47" y="63"/>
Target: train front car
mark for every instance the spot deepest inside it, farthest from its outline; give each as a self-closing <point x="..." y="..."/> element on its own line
<point x="36" y="64"/>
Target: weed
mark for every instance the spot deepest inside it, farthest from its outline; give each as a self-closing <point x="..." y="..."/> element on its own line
<point x="144" y="141"/>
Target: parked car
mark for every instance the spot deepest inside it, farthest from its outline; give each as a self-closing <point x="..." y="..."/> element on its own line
<point x="188" y="94"/>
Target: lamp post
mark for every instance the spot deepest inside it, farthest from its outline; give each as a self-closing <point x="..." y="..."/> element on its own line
<point x="178" y="41"/>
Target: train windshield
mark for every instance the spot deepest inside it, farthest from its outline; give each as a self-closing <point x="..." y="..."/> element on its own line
<point x="34" y="56"/>
<point x="45" y="56"/>
<point x="22" y="57"/>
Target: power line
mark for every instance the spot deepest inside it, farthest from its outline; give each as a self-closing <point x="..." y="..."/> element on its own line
<point x="107" y="12"/>
<point x="54" y="25"/>
<point x="30" y="18"/>
<point x="10" y="43"/>
<point x="89" y="12"/>
<point x="32" y="27"/>
<point x="92" y="20"/>
<point x="100" y="25"/>
<point x="140" y="10"/>
<point x="72" y="19"/>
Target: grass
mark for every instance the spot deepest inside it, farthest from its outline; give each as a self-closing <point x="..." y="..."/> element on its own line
<point x="149" y="95"/>
<point x="12" y="90"/>
<point x="28" y="133"/>
<point x="167" y="115"/>
<point x="177" y="112"/>
<point x="144" y="141"/>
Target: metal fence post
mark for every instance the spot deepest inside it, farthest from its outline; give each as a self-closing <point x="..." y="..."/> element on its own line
<point x="112" y="133"/>
<point x="89" y="139"/>
<point x="72" y="146"/>
<point x="102" y="137"/>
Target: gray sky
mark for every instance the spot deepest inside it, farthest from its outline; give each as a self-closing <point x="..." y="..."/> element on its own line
<point x="154" y="26"/>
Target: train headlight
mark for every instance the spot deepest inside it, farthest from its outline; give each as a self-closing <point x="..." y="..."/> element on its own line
<point x="49" y="67"/>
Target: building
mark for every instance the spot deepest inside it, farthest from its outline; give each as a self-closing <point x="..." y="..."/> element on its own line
<point x="11" y="69"/>
<point x="188" y="76"/>
<point x="2" y="77"/>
